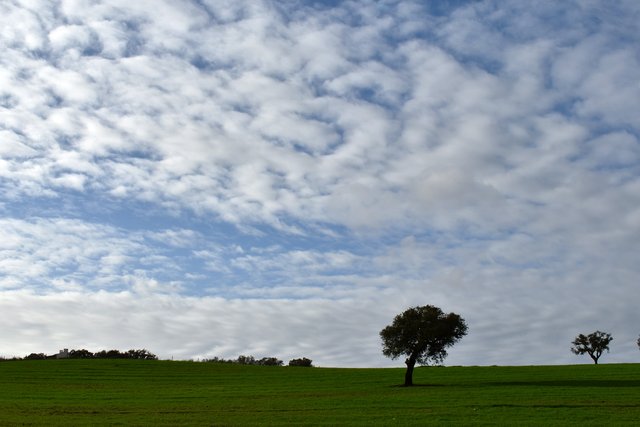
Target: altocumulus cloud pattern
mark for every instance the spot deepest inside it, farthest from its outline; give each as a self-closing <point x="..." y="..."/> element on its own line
<point x="215" y="178"/>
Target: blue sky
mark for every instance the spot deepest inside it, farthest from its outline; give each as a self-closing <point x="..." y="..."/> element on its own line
<point x="216" y="178"/>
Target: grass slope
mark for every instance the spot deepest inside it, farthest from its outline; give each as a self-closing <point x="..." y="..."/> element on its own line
<point x="164" y="393"/>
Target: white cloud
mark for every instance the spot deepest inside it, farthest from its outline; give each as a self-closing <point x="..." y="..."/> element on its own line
<point x="613" y="150"/>
<point x="28" y="33"/>
<point x="12" y="146"/>
<point x="69" y="250"/>
<point x="70" y="36"/>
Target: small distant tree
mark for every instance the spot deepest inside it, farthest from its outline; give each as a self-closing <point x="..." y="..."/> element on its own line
<point x="270" y="361"/>
<point x="217" y="359"/>
<point x="593" y="344"/>
<point x="141" y="354"/>
<point x="304" y="362"/>
<point x="81" y="354"/>
<point x="110" y="354"/>
<point x="246" y="360"/>
<point x="36" y="356"/>
<point x="422" y="334"/>
<point x="638" y="342"/>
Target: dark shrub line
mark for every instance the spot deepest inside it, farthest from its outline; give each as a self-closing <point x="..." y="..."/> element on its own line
<point x="86" y="354"/>
<point x="304" y="362"/>
<point x="265" y="361"/>
<point x="146" y="355"/>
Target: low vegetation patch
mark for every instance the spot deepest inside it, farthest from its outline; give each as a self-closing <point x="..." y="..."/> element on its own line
<point x="166" y="393"/>
<point x="86" y="354"/>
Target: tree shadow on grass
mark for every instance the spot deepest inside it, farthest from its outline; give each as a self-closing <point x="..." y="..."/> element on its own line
<point x="563" y="406"/>
<point x="569" y="383"/>
<point x="541" y="383"/>
<point x="417" y="385"/>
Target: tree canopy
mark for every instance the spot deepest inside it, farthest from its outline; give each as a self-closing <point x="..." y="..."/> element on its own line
<point x="593" y="344"/>
<point x="422" y="334"/>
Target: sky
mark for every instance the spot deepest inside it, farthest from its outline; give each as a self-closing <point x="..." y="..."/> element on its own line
<point x="215" y="178"/>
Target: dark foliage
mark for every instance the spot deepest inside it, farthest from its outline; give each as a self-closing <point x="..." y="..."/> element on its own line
<point x="86" y="354"/>
<point x="141" y="354"/>
<point x="270" y="361"/>
<point x="248" y="360"/>
<point x="36" y="356"/>
<point x="422" y="335"/>
<point x="304" y="362"/>
<point x="217" y="359"/>
<point x="81" y="354"/>
<point x="593" y="344"/>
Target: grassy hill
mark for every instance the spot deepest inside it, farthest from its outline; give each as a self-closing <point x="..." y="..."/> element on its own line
<point x="165" y="393"/>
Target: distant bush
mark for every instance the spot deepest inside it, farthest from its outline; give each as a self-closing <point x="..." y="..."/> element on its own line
<point x="81" y="354"/>
<point x="141" y="354"/>
<point x="217" y="359"/>
<point x="270" y="361"/>
<point x="111" y="354"/>
<point x="248" y="360"/>
<point x="36" y="356"/>
<point x="86" y="354"/>
<point x="301" y="362"/>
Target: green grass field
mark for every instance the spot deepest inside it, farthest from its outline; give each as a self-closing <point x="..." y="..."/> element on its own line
<point x="165" y="393"/>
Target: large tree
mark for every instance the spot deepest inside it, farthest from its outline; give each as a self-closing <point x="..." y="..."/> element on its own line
<point x="593" y="344"/>
<point x="422" y="334"/>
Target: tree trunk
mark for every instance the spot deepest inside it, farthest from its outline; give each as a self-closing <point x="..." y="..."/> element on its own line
<point x="408" y="376"/>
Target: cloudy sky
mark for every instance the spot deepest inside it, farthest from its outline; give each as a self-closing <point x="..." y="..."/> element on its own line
<point x="280" y="178"/>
